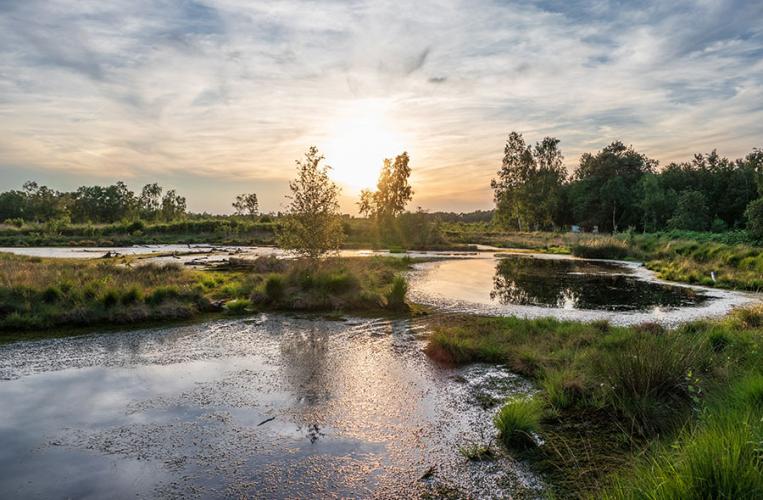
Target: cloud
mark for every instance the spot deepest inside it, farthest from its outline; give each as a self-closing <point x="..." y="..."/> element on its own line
<point x="221" y="91"/>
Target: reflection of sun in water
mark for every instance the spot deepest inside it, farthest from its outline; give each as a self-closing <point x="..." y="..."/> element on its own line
<point x="358" y="142"/>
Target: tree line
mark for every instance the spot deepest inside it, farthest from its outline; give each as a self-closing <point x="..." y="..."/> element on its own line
<point x="619" y="188"/>
<point x="97" y="204"/>
<point x="104" y="204"/>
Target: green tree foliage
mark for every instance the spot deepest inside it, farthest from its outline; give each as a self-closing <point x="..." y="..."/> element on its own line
<point x="528" y="190"/>
<point x="691" y="212"/>
<point x="173" y="206"/>
<point x="312" y="226"/>
<point x="656" y="202"/>
<point x="604" y="191"/>
<point x="247" y="204"/>
<point x="754" y="216"/>
<point x="393" y="192"/>
<point x="150" y="201"/>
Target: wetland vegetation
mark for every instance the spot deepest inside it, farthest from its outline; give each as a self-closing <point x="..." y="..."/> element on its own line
<point x="628" y="412"/>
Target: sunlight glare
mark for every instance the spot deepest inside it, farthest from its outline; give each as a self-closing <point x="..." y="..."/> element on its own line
<point x="359" y="141"/>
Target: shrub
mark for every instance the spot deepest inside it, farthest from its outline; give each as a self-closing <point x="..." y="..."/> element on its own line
<point x="754" y="216"/>
<point x="518" y="420"/>
<point x="396" y="295"/>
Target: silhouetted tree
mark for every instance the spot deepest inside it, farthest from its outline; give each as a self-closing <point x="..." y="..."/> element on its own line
<point x="312" y="226"/>
<point x="247" y="204"/>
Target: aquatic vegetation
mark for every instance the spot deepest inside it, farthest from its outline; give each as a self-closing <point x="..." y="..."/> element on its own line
<point x="477" y="452"/>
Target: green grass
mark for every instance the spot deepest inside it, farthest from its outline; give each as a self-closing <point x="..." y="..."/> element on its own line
<point x="38" y="294"/>
<point x="636" y="412"/>
<point x="518" y="420"/>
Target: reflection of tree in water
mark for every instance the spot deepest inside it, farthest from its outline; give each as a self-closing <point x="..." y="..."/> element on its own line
<point x="573" y="284"/>
<point x="305" y="363"/>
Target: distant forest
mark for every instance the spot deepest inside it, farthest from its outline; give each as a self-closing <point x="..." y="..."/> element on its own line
<point x="619" y="188"/>
<point x="612" y="190"/>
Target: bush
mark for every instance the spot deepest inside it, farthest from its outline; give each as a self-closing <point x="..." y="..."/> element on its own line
<point x="518" y="420"/>
<point x="754" y="216"/>
<point x="396" y="295"/>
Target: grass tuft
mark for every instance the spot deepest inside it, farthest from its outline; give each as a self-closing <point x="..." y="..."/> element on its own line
<point x="518" y="420"/>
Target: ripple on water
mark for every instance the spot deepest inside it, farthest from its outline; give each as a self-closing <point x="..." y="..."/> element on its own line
<point x="274" y="406"/>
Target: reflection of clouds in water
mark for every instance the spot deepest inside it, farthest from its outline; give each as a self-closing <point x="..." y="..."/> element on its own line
<point x="347" y="409"/>
<point x="620" y="292"/>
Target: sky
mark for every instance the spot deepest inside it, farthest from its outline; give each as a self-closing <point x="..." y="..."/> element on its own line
<point x="220" y="97"/>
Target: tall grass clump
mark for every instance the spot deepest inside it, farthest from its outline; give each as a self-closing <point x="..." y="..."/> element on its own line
<point x="161" y="294"/>
<point x="397" y="294"/>
<point x="238" y="306"/>
<point x="132" y="295"/>
<point x="601" y="248"/>
<point x="275" y="288"/>
<point x="721" y="458"/>
<point x="652" y="376"/>
<point x="518" y="420"/>
<point x="562" y="388"/>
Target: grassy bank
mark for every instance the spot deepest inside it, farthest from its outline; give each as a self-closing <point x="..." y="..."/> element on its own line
<point x="722" y="261"/>
<point x="38" y="294"/>
<point x="629" y="412"/>
<point x="224" y="231"/>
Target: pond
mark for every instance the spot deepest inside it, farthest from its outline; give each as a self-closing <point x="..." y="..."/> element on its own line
<point x="273" y="406"/>
<point x="563" y="287"/>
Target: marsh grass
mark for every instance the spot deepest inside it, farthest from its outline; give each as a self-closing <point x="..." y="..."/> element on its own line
<point x="660" y="402"/>
<point x="518" y="420"/>
<point x="38" y="293"/>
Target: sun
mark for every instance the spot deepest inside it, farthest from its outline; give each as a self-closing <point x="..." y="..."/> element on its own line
<point x="359" y="140"/>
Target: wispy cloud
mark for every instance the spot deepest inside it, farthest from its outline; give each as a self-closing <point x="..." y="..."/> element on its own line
<point x="223" y="95"/>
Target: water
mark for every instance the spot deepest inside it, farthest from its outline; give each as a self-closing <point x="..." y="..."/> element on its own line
<point x="566" y="288"/>
<point x="274" y="406"/>
<point x="203" y="255"/>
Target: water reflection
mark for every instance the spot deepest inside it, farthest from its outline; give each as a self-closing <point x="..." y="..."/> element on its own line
<point x="577" y="284"/>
